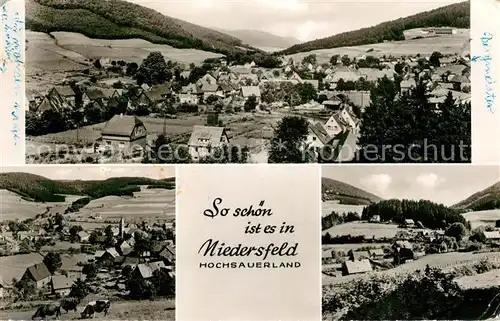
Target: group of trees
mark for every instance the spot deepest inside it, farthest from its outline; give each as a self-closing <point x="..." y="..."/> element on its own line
<point x="293" y="94"/>
<point x="361" y="85"/>
<point x="430" y="214"/>
<point x="335" y="218"/>
<point x="408" y="128"/>
<point x="161" y="284"/>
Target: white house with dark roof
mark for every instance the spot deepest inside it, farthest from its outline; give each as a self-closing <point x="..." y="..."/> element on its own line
<point x="248" y="91"/>
<point x="334" y="125"/>
<point x="204" y="138"/>
<point x="123" y="133"/>
<point x="61" y="284"/>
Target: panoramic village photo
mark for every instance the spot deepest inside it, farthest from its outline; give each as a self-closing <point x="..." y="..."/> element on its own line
<point x="212" y="81"/>
<point x="84" y="242"/>
<point x="411" y="242"/>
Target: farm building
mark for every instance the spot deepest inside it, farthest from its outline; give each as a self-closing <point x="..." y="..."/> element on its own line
<point x="492" y="236"/>
<point x="123" y="133"/>
<point x="335" y="125"/>
<point x="326" y="256"/>
<point x="409" y="223"/>
<point x="146" y="270"/>
<point x="356" y="267"/>
<point x="83" y="236"/>
<point x="403" y="252"/>
<point x="317" y="136"/>
<point x="248" y="91"/>
<point x="109" y="257"/>
<point x="61" y="285"/>
<point x="167" y="255"/>
<point x="358" y="255"/>
<point x="332" y="104"/>
<point x="204" y="138"/>
<point x="377" y="254"/>
<point x="38" y="273"/>
<point x="375" y="219"/>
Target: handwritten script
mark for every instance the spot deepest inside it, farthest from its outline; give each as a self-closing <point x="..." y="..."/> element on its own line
<point x="488" y="74"/>
<point x="12" y="64"/>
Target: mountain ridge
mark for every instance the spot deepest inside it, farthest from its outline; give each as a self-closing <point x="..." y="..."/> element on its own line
<point x="118" y="19"/>
<point x="486" y="198"/>
<point x="454" y="15"/>
<point x="258" y="38"/>
<point x="332" y="189"/>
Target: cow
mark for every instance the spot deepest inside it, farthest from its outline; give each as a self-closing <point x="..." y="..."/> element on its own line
<point x="96" y="307"/>
<point x="69" y="304"/>
<point x="46" y="310"/>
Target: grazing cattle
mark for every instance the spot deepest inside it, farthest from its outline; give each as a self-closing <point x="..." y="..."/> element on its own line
<point x="47" y="310"/>
<point x="96" y="307"/>
<point x="69" y="304"/>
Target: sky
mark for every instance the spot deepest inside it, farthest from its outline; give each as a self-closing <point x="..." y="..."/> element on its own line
<point x="93" y="172"/>
<point x="303" y="19"/>
<point x="445" y="184"/>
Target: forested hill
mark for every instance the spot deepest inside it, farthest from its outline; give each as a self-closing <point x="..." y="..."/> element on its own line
<point x="455" y="15"/>
<point x="41" y="189"/>
<point x="347" y="194"/>
<point x="118" y="19"/>
<point x="486" y="199"/>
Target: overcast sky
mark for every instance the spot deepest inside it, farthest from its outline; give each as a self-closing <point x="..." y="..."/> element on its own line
<point x="446" y="184"/>
<point x="303" y="19"/>
<point x="74" y="172"/>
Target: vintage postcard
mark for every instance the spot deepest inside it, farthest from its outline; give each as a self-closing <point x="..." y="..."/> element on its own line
<point x="278" y="81"/>
<point x="249" y="243"/>
<point x="410" y="242"/>
<point x="84" y="242"/>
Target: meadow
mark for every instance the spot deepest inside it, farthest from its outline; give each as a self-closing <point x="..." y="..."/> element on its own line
<point x="458" y="43"/>
<point x="329" y="206"/>
<point x="479" y="218"/>
<point x="368" y="230"/>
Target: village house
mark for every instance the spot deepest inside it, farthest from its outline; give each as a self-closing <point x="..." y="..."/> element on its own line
<point x="493" y="236"/>
<point x="335" y="125"/>
<point x="123" y="133"/>
<point x="349" y="119"/>
<point x="93" y="95"/>
<point x="317" y="136"/>
<point x="168" y="255"/>
<point x="53" y="101"/>
<point x="376" y="254"/>
<point x="67" y="93"/>
<point x="204" y="138"/>
<point x="406" y="85"/>
<point x="37" y="273"/>
<point x="110" y="257"/>
<point x="409" y="223"/>
<point x="83" y="236"/>
<point x="326" y="257"/>
<point x="33" y="98"/>
<point x="403" y="252"/>
<point x="358" y="255"/>
<point x="146" y="270"/>
<point x="375" y="219"/>
<point x="61" y="285"/>
<point x="248" y="91"/>
<point x="356" y="267"/>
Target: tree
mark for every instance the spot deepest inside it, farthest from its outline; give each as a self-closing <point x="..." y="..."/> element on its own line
<point x="153" y="70"/>
<point x="79" y="289"/>
<point x="25" y="288"/>
<point x="90" y="270"/>
<point x="434" y="59"/>
<point x="307" y="92"/>
<point x="212" y="99"/>
<point x="131" y="69"/>
<point x="334" y="59"/>
<point x="346" y="61"/>
<point x="73" y="232"/>
<point x="164" y="283"/>
<point x="97" y="64"/>
<point x="139" y="288"/>
<point x="310" y="59"/>
<point x="457" y="230"/>
<point x="251" y="103"/>
<point x="52" y="261"/>
<point x="109" y="236"/>
<point x="497" y="223"/>
<point x="288" y="143"/>
<point x="352" y="216"/>
<point x="196" y="74"/>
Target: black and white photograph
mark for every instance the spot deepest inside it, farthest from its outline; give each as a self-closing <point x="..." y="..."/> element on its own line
<point x="410" y="242"/>
<point x="87" y="242"/>
<point x="213" y="81"/>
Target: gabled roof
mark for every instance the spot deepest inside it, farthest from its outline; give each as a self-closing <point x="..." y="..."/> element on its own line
<point x="492" y="235"/>
<point x="60" y="282"/>
<point x="144" y="270"/>
<point x="320" y="132"/>
<point x="190" y="89"/>
<point x="131" y="261"/>
<point x="377" y="252"/>
<point x="248" y="91"/>
<point x="65" y="91"/>
<point x="113" y="252"/>
<point x="359" y="255"/>
<point x="38" y="271"/>
<point x="209" y="88"/>
<point x="121" y="125"/>
<point x="94" y="93"/>
<point x="168" y="253"/>
<point x="203" y="136"/>
<point x="354" y="267"/>
<point x="53" y="101"/>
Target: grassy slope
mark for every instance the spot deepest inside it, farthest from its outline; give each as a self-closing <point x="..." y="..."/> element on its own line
<point x="332" y="189"/>
<point x="42" y="189"/>
<point x="117" y="19"/>
<point x="489" y="194"/>
<point x="455" y="15"/>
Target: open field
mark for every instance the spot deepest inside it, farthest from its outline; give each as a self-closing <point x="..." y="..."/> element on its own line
<point x="482" y="217"/>
<point x="484" y="280"/>
<point x="64" y="51"/>
<point x="443" y="261"/>
<point x="14" y="207"/>
<point x="146" y="204"/>
<point x="458" y="43"/>
<point x="369" y="230"/>
<point x="329" y="206"/>
<point x="354" y="246"/>
<point x="121" y="310"/>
